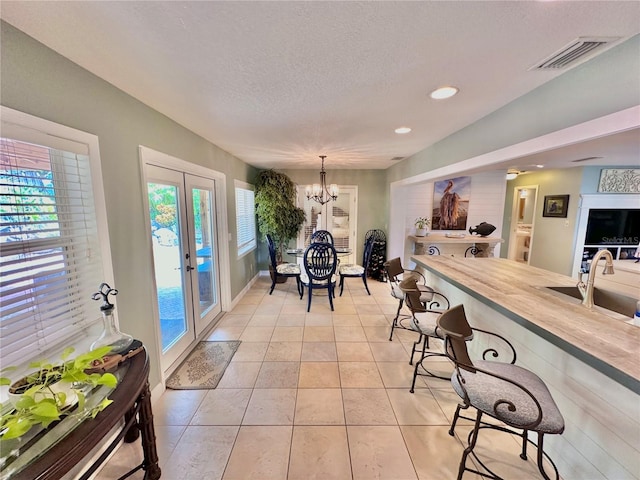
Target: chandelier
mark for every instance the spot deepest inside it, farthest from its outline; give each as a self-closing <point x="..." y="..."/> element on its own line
<point x="317" y="191"/>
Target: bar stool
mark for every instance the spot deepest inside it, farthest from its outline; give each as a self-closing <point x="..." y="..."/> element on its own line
<point x="504" y="391"/>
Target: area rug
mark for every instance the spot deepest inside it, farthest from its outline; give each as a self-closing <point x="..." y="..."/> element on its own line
<point x="204" y="366"/>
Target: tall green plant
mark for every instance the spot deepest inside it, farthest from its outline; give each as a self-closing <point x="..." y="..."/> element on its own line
<point x="276" y="208"/>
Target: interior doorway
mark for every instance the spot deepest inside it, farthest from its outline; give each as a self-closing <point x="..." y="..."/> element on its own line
<point x="522" y="223"/>
<point x="337" y="216"/>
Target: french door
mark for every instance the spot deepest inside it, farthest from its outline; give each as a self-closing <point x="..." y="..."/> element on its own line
<point x="185" y="256"/>
<point x="337" y="216"/>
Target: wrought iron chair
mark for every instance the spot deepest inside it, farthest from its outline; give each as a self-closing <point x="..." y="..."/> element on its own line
<point x="511" y="394"/>
<point x="320" y="261"/>
<point x="428" y="296"/>
<point x="282" y="270"/>
<point x="321" y="236"/>
<point x="355" y="271"/>
<point x="424" y="321"/>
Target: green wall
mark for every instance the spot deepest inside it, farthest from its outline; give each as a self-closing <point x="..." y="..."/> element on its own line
<point x="38" y="81"/>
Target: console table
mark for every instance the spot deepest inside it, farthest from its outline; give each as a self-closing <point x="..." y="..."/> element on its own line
<point x="131" y="401"/>
<point x="468" y="246"/>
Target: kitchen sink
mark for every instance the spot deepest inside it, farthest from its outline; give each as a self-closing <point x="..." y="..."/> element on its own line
<point x="605" y="299"/>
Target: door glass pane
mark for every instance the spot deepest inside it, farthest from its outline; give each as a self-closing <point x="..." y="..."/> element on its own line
<point x="340" y="224"/>
<point x="205" y="254"/>
<point x="167" y="257"/>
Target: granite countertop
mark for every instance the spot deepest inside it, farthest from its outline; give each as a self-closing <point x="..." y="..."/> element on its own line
<point x="607" y="343"/>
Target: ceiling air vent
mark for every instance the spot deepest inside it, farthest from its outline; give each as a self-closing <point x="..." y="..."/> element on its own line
<point x="586" y="159"/>
<point x="397" y="159"/>
<point x="578" y="50"/>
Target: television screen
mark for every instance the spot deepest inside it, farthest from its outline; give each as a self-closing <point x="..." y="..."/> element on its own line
<point x="613" y="227"/>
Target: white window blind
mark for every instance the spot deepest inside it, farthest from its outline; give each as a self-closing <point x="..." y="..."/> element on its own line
<point x="245" y="218"/>
<point x="50" y="255"/>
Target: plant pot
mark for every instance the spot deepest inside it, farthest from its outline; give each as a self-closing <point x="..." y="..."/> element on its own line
<point x="421" y="232"/>
<point x="51" y="391"/>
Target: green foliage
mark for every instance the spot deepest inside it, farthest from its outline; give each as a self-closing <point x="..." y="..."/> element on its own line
<point x="276" y="208"/>
<point x="162" y="205"/>
<point x="39" y="402"/>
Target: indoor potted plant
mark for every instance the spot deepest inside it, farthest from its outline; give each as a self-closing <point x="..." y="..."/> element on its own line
<point x="50" y="391"/>
<point x="276" y="209"/>
<point x="421" y="225"/>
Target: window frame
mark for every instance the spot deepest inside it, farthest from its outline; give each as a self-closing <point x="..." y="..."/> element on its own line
<point x="249" y="216"/>
<point x="28" y="128"/>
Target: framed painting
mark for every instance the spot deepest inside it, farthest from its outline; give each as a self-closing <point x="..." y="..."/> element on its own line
<point x="451" y="204"/>
<point x="555" y="206"/>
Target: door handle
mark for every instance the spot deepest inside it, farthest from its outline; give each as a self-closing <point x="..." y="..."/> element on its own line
<point x="189" y="268"/>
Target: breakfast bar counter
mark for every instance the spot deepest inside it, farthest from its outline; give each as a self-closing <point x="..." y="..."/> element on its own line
<point x="516" y="290"/>
<point x="588" y="358"/>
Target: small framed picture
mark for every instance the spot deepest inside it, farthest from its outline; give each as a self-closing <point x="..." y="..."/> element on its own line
<point x="555" y="206"/>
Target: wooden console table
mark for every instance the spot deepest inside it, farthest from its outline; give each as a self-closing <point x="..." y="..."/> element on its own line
<point x="468" y="246"/>
<point x="131" y="401"/>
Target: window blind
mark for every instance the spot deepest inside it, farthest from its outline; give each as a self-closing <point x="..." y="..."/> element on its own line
<point x="245" y="220"/>
<point x="50" y="261"/>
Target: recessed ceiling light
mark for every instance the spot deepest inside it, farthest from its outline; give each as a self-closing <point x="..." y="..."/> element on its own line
<point x="402" y="130"/>
<point x="443" y="92"/>
<point x="540" y="166"/>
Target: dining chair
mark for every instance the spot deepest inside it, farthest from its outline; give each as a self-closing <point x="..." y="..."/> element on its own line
<point x="355" y="270"/>
<point x="282" y="270"/>
<point x="323" y="236"/>
<point x="424" y="322"/>
<point x="320" y="261"/>
<point x="515" y="396"/>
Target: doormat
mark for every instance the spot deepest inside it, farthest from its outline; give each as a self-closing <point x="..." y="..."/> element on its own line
<point x="204" y="366"/>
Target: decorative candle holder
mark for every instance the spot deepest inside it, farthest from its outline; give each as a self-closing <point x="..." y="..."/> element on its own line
<point x="111" y="335"/>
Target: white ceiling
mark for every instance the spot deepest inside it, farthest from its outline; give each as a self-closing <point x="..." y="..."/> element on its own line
<point x="279" y="83"/>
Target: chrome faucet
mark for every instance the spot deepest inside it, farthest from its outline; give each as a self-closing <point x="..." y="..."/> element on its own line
<point x="587" y="290"/>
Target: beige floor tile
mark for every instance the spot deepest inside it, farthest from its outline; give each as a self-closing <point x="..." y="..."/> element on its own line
<point x="319" y="406"/>
<point x="296" y="307"/>
<point x="319" y="453"/>
<point x="176" y="407"/>
<point x="225" y="333"/>
<point x="390" y="352"/>
<point x="448" y="401"/>
<point x="202" y="453"/>
<point x="354" y="352"/>
<point x="263" y="319"/>
<point x="367" y="406"/>
<point x="319" y="375"/>
<point x="318" y="320"/>
<point x="399" y="375"/>
<point x="353" y="333"/>
<point x="167" y="438"/>
<point x="224" y="406"/>
<point x="251" y="299"/>
<point x="419" y="408"/>
<point x="250" y="352"/>
<point x="256" y="334"/>
<point x="389" y="308"/>
<point x="283" y="352"/>
<point x="260" y="452"/>
<point x="278" y="375"/>
<point x="377" y="334"/>
<point x="373" y="320"/>
<point x="371" y="308"/>
<point x="346" y="320"/>
<point x="241" y="309"/>
<point x="362" y="299"/>
<point x="435" y="454"/>
<point x="240" y="375"/>
<point x="318" y="334"/>
<point x="359" y="375"/>
<point x="271" y="407"/>
<point x="345" y="308"/>
<point x="270" y="307"/>
<point x="319" y="352"/>
<point x="230" y="320"/>
<point x="287" y="334"/>
<point x="379" y="452"/>
<point x="293" y="319"/>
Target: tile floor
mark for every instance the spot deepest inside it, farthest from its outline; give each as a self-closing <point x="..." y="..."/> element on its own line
<point x="319" y="395"/>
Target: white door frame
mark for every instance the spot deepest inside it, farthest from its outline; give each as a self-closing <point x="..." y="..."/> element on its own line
<point x="153" y="157"/>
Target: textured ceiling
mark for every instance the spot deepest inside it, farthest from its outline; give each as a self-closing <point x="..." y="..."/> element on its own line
<point x="279" y="83"/>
